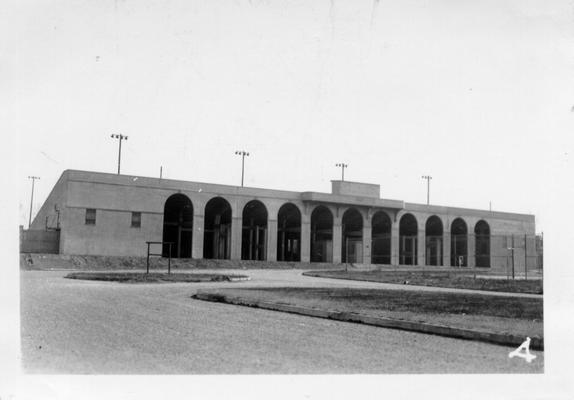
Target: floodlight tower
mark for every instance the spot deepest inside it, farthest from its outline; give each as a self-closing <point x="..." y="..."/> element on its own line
<point x="242" y="153"/>
<point x="120" y="138"/>
<point x="343" y="166"/>
<point x="428" y="178"/>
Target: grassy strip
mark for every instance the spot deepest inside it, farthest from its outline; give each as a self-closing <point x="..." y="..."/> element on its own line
<point x="517" y="316"/>
<point x="440" y="279"/>
<point x="488" y="329"/>
<point x="363" y="300"/>
<point x="155" y="277"/>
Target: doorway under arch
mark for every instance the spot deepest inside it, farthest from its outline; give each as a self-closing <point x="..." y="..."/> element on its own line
<point x="217" y="229"/>
<point x="408" y="240"/>
<point x="289" y="233"/>
<point x="177" y="226"/>
<point x="254" y="232"/>
<point x="434" y="240"/>
<point x="458" y="243"/>
<point x="321" y="235"/>
<point x="352" y="243"/>
<point x="381" y="238"/>
<point x="482" y="246"/>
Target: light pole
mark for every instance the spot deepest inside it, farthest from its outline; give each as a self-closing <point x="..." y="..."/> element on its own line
<point x="120" y="137"/>
<point x="428" y="178"/>
<point x="32" y="198"/>
<point x="343" y="166"/>
<point x="242" y="153"/>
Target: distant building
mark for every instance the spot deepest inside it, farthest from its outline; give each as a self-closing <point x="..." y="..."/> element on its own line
<point x="109" y="214"/>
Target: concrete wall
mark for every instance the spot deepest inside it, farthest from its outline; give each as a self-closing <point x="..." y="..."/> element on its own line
<point x="55" y="200"/>
<point x="39" y="241"/>
<point x="355" y="189"/>
<point x="115" y="197"/>
<point x="112" y="233"/>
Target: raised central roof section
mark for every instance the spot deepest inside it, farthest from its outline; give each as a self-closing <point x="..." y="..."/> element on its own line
<point x="353" y="193"/>
<point x="345" y="188"/>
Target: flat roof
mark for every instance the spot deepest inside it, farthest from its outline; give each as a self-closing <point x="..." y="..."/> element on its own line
<point x="310" y="196"/>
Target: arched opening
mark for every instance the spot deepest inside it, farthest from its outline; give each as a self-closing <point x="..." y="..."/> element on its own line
<point x="482" y="247"/>
<point x="254" y="237"/>
<point x="458" y="243"/>
<point x="408" y="230"/>
<point x="217" y="229"/>
<point x="177" y="226"/>
<point x="289" y="233"/>
<point x="321" y="235"/>
<point x="433" y="237"/>
<point x="381" y="238"/>
<point x="352" y="243"/>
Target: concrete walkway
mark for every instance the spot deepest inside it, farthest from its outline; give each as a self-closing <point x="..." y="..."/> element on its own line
<point x="294" y="277"/>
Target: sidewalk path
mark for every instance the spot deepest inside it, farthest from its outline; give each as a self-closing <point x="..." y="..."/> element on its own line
<point x="290" y="278"/>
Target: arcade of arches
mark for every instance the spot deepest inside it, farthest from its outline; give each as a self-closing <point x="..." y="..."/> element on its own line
<point x="289" y="238"/>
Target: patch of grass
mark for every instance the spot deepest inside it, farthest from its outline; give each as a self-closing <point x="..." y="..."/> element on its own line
<point x="155" y="277"/>
<point x="445" y="279"/>
<point x="362" y="300"/>
<point x="488" y="313"/>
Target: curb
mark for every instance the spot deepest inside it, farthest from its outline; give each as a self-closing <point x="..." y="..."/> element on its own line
<point x="505" y="339"/>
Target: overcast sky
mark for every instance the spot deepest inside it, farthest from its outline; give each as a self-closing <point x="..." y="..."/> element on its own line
<point x="477" y="94"/>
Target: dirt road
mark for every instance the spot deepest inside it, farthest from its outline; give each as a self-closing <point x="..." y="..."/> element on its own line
<point x="87" y="327"/>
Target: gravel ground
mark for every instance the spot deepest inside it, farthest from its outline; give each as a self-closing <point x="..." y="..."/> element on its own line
<point x="85" y="327"/>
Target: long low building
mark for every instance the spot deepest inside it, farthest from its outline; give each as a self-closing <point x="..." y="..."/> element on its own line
<point x="108" y="214"/>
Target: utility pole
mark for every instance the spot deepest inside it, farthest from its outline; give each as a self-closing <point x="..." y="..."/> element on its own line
<point x="428" y="178"/>
<point x="343" y="166"/>
<point x="32" y="198"/>
<point x="120" y="138"/>
<point x="242" y="153"/>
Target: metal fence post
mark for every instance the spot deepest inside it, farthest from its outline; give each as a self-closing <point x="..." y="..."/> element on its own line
<point x="169" y="261"/>
<point x="525" y="258"/>
<point x="147" y="264"/>
<point x="512" y="257"/>
<point x="507" y="273"/>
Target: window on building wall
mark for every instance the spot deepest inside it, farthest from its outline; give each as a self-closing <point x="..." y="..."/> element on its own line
<point x="136" y="220"/>
<point x="90" y="216"/>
